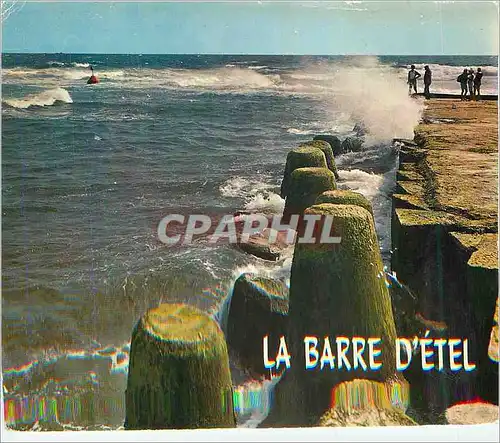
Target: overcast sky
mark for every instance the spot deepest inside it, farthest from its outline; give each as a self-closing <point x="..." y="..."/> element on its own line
<point x="258" y="27"/>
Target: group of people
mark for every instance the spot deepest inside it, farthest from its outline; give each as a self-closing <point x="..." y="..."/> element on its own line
<point x="469" y="81"/>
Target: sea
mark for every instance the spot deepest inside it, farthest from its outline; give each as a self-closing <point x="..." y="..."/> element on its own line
<point x="88" y="172"/>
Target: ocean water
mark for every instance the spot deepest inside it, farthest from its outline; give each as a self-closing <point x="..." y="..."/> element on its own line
<point x="88" y="172"/>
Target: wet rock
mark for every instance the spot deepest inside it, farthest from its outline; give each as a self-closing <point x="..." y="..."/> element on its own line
<point x="334" y="142"/>
<point x="259" y="307"/>
<point x="267" y="244"/>
<point x="352" y="144"/>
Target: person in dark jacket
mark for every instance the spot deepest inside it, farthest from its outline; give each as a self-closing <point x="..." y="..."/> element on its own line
<point x="427" y="81"/>
<point x="477" y="83"/>
<point x="412" y="79"/>
<point x="470" y="83"/>
<point x="462" y="79"/>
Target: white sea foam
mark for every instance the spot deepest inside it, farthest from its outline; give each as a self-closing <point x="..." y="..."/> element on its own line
<point x="301" y="131"/>
<point x="372" y="94"/>
<point x="56" y="76"/>
<point x="258" y="195"/>
<point x="45" y="98"/>
<point x="362" y="76"/>
<point x="243" y="187"/>
<point x="376" y="188"/>
<point x="269" y="203"/>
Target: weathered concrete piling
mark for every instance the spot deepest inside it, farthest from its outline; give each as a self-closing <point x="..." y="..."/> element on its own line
<point x="301" y="157"/>
<point x="345" y="197"/>
<point x="305" y="186"/>
<point x="326" y="148"/>
<point x="179" y="372"/>
<point x="259" y="307"/>
<point x="336" y="290"/>
<point x="333" y="140"/>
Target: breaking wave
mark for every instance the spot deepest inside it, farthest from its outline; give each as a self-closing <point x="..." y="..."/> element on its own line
<point x="46" y="98"/>
<point x="352" y="74"/>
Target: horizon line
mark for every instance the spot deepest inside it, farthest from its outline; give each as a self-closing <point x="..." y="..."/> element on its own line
<point x="251" y="54"/>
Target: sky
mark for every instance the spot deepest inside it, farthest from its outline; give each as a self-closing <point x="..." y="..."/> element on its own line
<point x="257" y="27"/>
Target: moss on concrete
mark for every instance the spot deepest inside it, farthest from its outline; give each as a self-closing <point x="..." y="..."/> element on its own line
<point x="305" y="186"/>
<point x="335" y="290"/>
<point x="345" y="197"/>
<point x="179" y="372"/>
<point x="301" y="157"/>
<point x="444" y="233"/>
<point x="460" y="157"/>
<point x="334" y="142"/>
<point x="415" y="188"/>
<point x="403" y="175"/>
<point x="327" y="150"/>
<point x="407" y="201"/>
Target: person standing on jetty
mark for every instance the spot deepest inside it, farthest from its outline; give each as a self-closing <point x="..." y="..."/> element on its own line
<point x="462" y="79"/>
<point x="470" y="83"/>
<point x="427" y="81"/>
<point x="477" y="83"/>
<point x="412" y="79"/>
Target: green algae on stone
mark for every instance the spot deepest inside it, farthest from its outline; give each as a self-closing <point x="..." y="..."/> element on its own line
<point x="258" y="308"/>
<point x="327" y="150"/>
<point x="305" y="186"/>
<point x="339" y="289"/>
<point x="179" y="372"/>
<point x="301" y="157"/>
<point x="408" y="176"/>
<point x="345" y="197"/>
<point x="407" y="201"/>
<point x="336" y="290"/>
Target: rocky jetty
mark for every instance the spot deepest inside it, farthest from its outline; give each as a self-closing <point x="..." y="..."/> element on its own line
<point x="444" y="235"/>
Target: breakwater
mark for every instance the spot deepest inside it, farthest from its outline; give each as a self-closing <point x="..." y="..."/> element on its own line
<point x="444" y="263"/>
<point x="444" y="236"/>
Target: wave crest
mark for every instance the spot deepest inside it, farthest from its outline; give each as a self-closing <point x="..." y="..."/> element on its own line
<point x="46" y="98"/>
